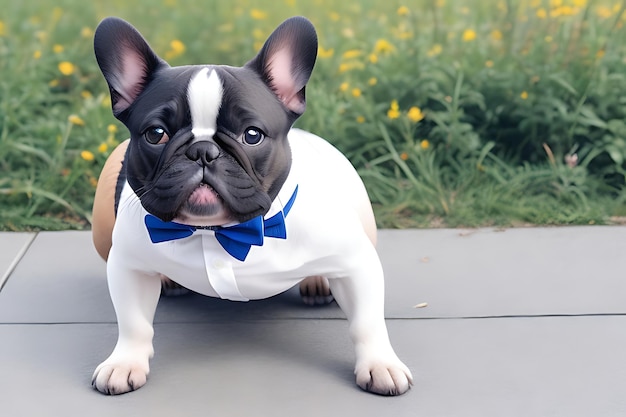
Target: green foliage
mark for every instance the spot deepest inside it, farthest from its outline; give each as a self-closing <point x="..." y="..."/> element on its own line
<point x="454" y="113"/>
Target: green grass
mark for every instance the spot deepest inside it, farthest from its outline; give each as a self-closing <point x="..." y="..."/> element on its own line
<point x="455" y="113"/>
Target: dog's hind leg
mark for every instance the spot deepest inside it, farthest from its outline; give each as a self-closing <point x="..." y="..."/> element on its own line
<point x="103" y="214"/>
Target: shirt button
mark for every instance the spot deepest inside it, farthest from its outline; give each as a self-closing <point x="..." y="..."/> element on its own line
<point x="219" y="264"/>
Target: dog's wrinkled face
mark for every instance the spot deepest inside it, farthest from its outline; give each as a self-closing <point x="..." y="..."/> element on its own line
<point x="208" y="143"/>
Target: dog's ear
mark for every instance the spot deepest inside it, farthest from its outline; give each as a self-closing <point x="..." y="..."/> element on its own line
<point x="125" y="59"/>
<point x="286" y="61"/>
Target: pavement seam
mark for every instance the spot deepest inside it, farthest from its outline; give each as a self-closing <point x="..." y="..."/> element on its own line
<point x="16" y="260"/>
<point x="536" y="316"/>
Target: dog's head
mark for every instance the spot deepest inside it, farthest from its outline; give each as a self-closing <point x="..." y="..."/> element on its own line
<point x="208" y="142"/>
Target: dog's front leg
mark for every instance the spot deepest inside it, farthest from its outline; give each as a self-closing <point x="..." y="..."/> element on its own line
<point x="135" y="296"/>
<point x="361" y="297"/>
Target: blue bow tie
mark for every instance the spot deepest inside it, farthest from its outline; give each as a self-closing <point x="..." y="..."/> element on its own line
<point x="237" y="240"/>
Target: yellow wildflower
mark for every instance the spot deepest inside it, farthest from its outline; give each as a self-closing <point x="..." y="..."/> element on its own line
<point x="103" y="147"/>
<point x="86" y="94"/>
<point x="3" y="28"/>
<point x="356" y="92"/>
<point x="177" y="48"/>
<point x="383" y="46"/>
<point x="403" y="11"/>
<point x="86" y="32"/>
<point x="403" y="34"/>
<point x="564" y="11"/>
<point x="415" y="114"/>
<point x="394" y="110"/>
<point x="334" y="16"/>
<point x="66" y="68"/>
<point x="325" y="53"/>
<point x="603" y="12"/>
<point x="348" y="66"/>
<point x="53" y="83"/>
<point x="93" y="181"/>
<point x="87" y="156"/>
<point x="352" y="53"/>
<point x="373" y="58"/>
<point x="343" y="67"/>
<point x="542" y="13"/>
<point x="257" y="14"/>
<point x="360" y="119"/>
<point x="469" y="35"/>
<point x="57" y="49"/>
<point x="112" y="129"/>
<point x="372" y="81"/>
<point x="424" y="144"/>
<point x="496" y="35"/>
<point x="57" y="12"/>
<point x="344" y="87"/>
<point x="489" y="63"/>
<point x="435" y="50"/>
<point x="524" y="95"/>
<point x="393" y="114"/>
<point x="37" y="54"/>
<point x="76" y="120"/>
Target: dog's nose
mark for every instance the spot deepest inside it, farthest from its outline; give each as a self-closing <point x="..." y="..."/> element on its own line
<point x="203" y="151"/>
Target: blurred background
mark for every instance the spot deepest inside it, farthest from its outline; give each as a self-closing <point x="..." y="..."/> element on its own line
<point x="455" y="113"/>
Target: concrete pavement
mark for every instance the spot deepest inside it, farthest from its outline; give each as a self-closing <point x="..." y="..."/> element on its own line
<point x="518" y="322"/>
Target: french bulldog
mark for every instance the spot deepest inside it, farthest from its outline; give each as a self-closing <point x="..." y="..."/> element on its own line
<point x="215" y="191"/>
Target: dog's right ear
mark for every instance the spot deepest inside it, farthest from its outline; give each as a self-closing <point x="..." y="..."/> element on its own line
<point x="126" y="61"/>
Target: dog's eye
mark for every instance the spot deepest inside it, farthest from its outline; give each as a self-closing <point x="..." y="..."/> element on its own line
<point x="155" y="135"/>
<point x="253" y="136"/>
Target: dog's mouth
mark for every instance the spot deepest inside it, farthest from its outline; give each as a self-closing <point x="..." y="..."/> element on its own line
<point x="204" y="207"/>
<point x="204" y="195"/>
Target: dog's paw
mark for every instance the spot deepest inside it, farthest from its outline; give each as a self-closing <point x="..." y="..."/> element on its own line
<point x="384" y="378"/>
<point x="315" y="291"/>
<point x="119" y="377"/>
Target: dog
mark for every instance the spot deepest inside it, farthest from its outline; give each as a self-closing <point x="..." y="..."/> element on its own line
<point x="215" y="191"/>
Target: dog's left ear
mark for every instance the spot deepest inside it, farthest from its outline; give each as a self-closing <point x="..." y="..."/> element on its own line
<point x="286" y="61"/>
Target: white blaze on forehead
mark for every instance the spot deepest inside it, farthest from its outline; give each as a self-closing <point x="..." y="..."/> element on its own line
<point x="205" y="98"/>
